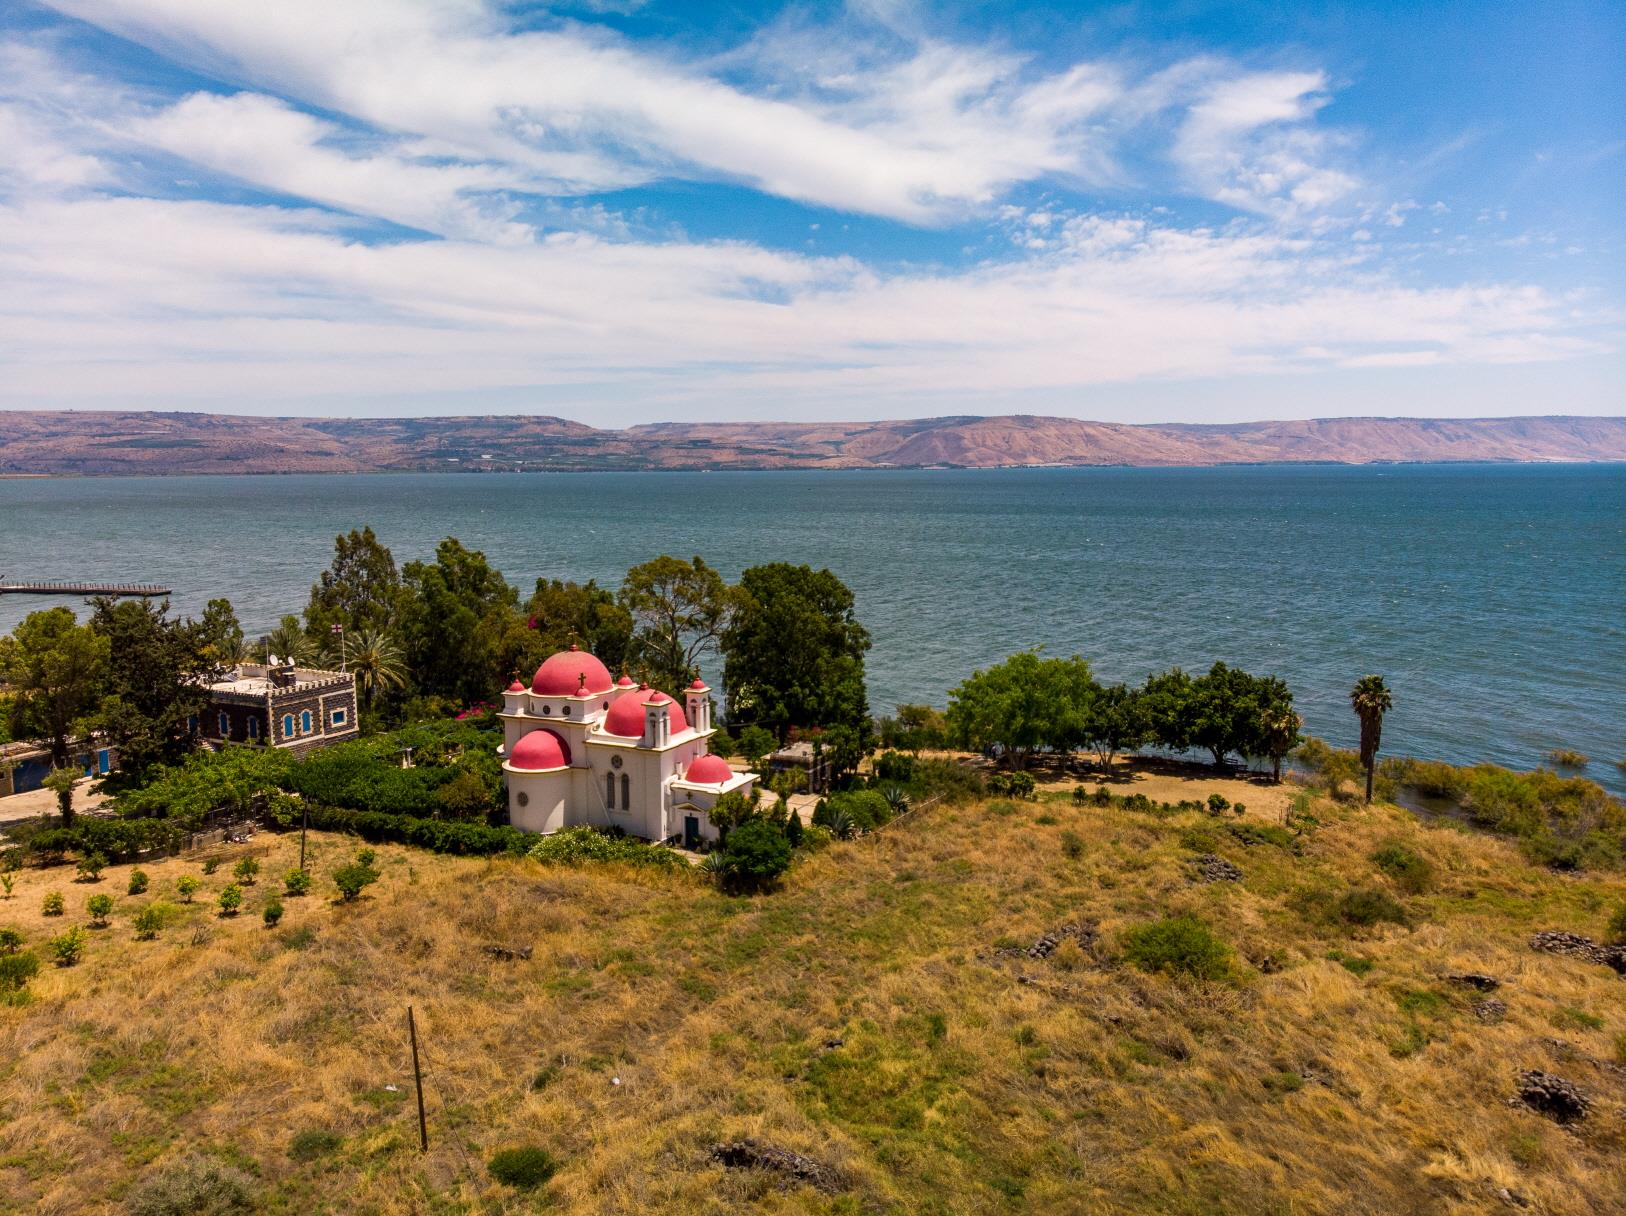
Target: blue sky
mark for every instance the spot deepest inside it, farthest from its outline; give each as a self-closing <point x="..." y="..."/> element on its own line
<point x="627" y="212"/>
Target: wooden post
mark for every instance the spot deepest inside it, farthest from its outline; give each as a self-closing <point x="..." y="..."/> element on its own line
<point x="302" y="828"/>
<point x="417" y="1078"/>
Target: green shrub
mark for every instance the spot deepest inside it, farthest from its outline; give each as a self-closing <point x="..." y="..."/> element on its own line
<point x="895" y="767"/>
<point x="352" y="879"/>
<point x="230" y="899"/>
<point x="53" y="904"/>
<point x="1218" y="804"/>
<point x="897" y="799"/>
<point x="1410" y="870"/>
<point x="1013" y="785"/>
<point x="580" y="845"/>
<point x="794" y="831"/>
<point x="1567" y="757"/>
<point x="272" y="912"/>
<point x="868" y="809"/>
<point x="211" y="864"/>
<point x="91" y="866"/>
<point x="187" y="885"/>
<point x="16" y="970"/>
<point x="192" y="1186"/>
<point x="314" y="1143"/>
<point x="69" y="947"/>
<point x="1178" y="945"/>
<point x="523" y="1168"/>
<point x="138" y="883"/>
<point x="754" y="856"/>
<point x="1263" y="833"/>
<point x="1615" y="933"/>
<point x="1072" y="845"/>
<point x="296" y="882"/>
<point x="7" y="881"/>
<point x="1367" y="907"/>
<point x="11" y="940"/>
<point x="816" y="837"/>
<point x="100" y="908"/>
<point x="150" y="920"/>
<point x="1239" y="808"/>
<point x="246" y="871"/>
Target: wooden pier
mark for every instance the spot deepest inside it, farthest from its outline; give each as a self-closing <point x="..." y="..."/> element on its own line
<point x="144" y="590"/>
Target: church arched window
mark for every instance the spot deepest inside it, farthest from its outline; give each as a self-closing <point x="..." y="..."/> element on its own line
<point x="626" y="792"/>
<point x="609" y="790"/>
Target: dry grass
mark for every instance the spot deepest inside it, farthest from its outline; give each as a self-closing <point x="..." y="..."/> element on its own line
<point x="1304" y="1088"/>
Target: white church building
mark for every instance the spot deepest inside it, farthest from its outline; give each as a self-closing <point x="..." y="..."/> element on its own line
<point x="582" y="748"/>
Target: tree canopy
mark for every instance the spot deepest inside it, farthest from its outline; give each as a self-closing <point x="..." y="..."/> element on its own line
<point x="360" y="590"/>
<point x="459" y="628"/>
<point x="1025" y="704"/>
<point x="679" y="610"/>
<point x="793" y="652"/>
<point x="55" y="670"/>
<point x="157" y="669"/>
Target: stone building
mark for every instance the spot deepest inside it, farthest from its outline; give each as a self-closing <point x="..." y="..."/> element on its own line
<point x="580" y="747"/>
<point x="298" y="708"/>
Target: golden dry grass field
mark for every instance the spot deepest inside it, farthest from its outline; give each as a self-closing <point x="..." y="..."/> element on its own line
<point x="872" y="1014"/>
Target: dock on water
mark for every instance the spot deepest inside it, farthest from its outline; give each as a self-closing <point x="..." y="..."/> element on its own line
<point x="144" y="590"/>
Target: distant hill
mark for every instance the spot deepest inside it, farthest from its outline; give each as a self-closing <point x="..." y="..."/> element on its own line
<point x="106" y="443"/>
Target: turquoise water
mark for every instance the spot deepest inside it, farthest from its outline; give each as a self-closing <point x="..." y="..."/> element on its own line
<point x="1493" y="598"/>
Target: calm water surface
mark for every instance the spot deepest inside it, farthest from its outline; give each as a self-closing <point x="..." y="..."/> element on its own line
<point x="1492" y="598"/>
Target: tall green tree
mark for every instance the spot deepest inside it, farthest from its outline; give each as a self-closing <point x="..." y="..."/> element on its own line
<point x="1277" y="731"/>
<point x="158" y="667"/>
<point x="460" y="623"/>
<point x="1225" y="708"/>
<point x="1370" y="699"/>
<point x="377" y="663"/>
<point x="1113" y="723"/>
<point x="361" y="589"/>
<point x="1166" y="709"/>
<point x="1023" y="705"/>
<point x="56" y="671"/>
<point x="561" y="613"/>
<point x="220" y="634"/>
<point x="793" y="651"/>
<point x="679" y="610"/>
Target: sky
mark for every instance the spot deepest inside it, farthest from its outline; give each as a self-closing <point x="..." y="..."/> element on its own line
<point x="626" y="211"/>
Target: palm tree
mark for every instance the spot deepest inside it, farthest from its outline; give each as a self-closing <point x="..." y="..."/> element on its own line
<point x="288" y="641"/>
<point x="376" y="662"/>
<point x="1370" y="699"/>
<point x="1279" y="729"/>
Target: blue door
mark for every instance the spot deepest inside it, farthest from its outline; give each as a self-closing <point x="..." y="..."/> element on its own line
<point x="691" y="832"/>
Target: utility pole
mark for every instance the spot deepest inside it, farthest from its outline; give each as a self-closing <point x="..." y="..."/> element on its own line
<point x="303" y="828"/>
<point x="417" y="1078"/>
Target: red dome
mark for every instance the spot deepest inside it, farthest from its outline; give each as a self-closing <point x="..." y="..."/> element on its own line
<point x="626" y="716"/>
<point x="539" y="751"/>
<point x="516" y="686"/>
<point x="561" y="675"/>
<point x="625" y="682"/>
<point x="699" y="685"/>
<point x="709" y="770"/>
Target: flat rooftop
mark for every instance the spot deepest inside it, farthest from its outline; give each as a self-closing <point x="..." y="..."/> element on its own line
<point x="252" y="679"/>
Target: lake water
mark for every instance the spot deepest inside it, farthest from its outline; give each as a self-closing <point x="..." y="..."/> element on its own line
<point x="1492" y="598"/>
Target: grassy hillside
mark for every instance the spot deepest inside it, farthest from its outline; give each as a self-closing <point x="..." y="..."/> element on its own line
<point x="878" y="1014"/>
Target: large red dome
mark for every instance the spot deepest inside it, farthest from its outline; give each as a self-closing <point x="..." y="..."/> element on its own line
<point x="626" y="716"/>
<point x="709" y="770"/>
<point x="539" y="751"/>
<point x="561" y="675"/>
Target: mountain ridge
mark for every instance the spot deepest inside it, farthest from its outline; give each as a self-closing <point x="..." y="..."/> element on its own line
<point x="110" y="443"/>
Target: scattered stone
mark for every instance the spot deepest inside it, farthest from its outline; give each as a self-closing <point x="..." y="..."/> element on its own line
<point x="1213" y="868"/>
<point x="754" y="1155"/>
<point x="1512" y="1198"/>
<point x="1573" y="945"/>
<point x="1473" y="979"/>
<point x="834" y="1044"/>
<point x="1083" y="933"/>
<point x="508" y="954"/>
<point x="1552" y="1096"/>
<point x="1490" y="1010"/>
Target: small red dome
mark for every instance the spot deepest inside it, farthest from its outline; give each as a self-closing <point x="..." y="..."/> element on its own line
<point x="561" y="675"/>
<point x="626" y="716"/>
<point x="699" y="685"/>
<point x="538" y="752"/>
<point x="709" y="770"/>
<point x="625" y="682"/>
<point x="516" y="686"/>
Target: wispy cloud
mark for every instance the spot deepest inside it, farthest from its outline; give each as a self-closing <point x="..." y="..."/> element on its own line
<point x="134" y="276"/>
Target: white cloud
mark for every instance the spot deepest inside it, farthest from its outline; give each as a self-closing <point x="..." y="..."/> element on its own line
<point x="133" y="301"/>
